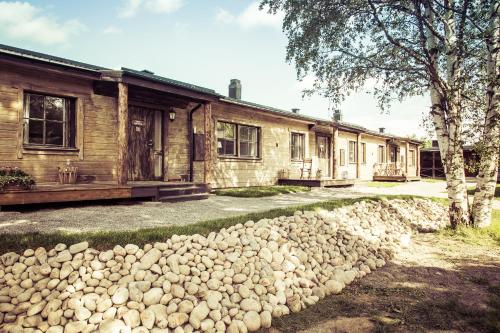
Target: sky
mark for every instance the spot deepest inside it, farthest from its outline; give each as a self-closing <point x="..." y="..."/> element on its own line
<point x="197" y="41"/>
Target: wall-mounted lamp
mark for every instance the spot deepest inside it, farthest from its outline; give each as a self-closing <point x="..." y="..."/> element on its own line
<point x="171" y="114"/>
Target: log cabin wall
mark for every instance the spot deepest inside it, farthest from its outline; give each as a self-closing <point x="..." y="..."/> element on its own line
<point x="347" y="169"/>
<point x="178" y="144"/>
<point x="275" y="136"/>
<point x="95" y="126"/>
<point x="372" y="144"/>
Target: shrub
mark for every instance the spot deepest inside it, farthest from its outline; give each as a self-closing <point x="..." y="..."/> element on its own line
<point x="15" y="177"/>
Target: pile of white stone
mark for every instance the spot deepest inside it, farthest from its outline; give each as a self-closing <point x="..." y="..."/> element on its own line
<point x="234" y="280"/>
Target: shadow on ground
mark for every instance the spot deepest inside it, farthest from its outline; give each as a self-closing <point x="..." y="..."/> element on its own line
<point x="409" y="298"/>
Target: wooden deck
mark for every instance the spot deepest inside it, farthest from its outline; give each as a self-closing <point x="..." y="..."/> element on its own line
<point x="317" y="182"/>
<point x="396" y="178"/>
<point x="54" y="192"/>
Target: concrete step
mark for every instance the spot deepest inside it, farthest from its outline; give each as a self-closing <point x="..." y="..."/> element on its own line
<point x="185" y="197"/>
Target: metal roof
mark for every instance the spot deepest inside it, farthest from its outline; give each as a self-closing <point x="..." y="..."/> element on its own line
<point x="14" y="51"/>
<point x="161" y="79"/>
<point x="5" y="49"/>
<point x="276" y="111"/>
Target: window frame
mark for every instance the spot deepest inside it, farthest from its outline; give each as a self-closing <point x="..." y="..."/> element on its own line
<point x="355" y="153"/>
<point x="363" y="152"/>
<point x="342" y="157"/>
<point x="256" y="142"/>
<point x="237" y="140"/>
<point x="69" y="122"/>
<point x="303" y="148"/>
<point x="413" y="159"/>
<point x="382" y="149"/>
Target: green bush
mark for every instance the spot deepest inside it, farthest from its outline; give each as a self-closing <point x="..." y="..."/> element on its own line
<point x="15" y="177"/>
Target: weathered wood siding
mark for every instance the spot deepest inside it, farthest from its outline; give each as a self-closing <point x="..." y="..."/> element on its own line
<point x="178" y="144"/>
<point x="95" y="118"/>
<point x="348" y="170"/>
<point x="275" y="148"/>
<point x="372" y="144"/>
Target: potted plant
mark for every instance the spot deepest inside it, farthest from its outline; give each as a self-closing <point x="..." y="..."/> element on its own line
<point x="319" y="174"/>
<point x="12" y="179"/>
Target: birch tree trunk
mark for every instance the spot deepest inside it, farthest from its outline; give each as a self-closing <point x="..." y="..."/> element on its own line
<point x="446" y="116"/>
<point x="488" y="166"/>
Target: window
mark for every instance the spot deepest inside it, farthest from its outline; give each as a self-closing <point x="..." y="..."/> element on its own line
<point x="381" y="154"/>
<point x="363" y="152"/>
<point x="249" y="141"/>
<point x="352" y="152"/>
<point x="412" y="157"/>
<point x="297" y="146"/>
<point x="226" y="139"/>
<point x="49" y="121"/>
<point x="234" y="140"/>
<point x="342" y="157"/>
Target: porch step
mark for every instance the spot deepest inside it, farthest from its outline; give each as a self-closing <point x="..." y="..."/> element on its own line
<point x="182" y="192"/>
<point x="186" y="197"/>
<point x="170" y="191"/>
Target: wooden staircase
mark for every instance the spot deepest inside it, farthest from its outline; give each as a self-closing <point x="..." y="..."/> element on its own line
<point x="181" y="192"/>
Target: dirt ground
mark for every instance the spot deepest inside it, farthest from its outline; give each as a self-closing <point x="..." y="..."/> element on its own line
<point x="436" y="285"/>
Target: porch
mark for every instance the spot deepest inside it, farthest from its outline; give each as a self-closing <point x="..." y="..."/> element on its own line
<point x="155" y="190"/>
<point x="392" y="172"/>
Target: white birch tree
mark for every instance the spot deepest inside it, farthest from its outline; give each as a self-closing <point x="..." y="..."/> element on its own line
<point x="410" y="48"/>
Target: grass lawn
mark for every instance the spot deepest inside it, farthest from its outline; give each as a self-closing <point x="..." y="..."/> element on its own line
<point x="484" y="236"/>
<point x="472" y="189"/>
<point x="261" y="191"/>
<point x="108" y="239"/>
<point x="383" y="184"/>
<point x="432" y="180"/>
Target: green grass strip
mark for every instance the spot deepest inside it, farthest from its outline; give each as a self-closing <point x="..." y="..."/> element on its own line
<point x="261" y="191"/>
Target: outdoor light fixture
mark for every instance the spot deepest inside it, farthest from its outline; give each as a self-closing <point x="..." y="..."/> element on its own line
<point x="171" y="114"/>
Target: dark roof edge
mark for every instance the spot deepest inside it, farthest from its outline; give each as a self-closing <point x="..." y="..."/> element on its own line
<point x="279" y="112"/>
<point x="42" y="57"/>
<point x="165" y="80"/>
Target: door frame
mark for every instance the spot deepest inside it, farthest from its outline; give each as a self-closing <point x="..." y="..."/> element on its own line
<point x="328" y="152"/>
<point x="163" y="123"/>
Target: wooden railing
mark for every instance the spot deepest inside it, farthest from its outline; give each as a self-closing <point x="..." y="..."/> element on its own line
<point x="388" y="169"/>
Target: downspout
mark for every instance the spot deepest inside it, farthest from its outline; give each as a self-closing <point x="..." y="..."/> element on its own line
<point x="191" y="141"/>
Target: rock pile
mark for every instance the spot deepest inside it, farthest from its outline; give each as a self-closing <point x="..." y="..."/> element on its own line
<point x="235" y="280"/>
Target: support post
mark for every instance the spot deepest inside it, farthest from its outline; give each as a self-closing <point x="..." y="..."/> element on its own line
<point x="433" y="164"/>
<point x="358" y="156"/>
<point x="123" y="132"/>
<point x="165" y="144"/>
<point x="335" y="153"/>
<point x="417" y="161"/>
<point x="207" y="111"/>
<point x="407" y="148"/>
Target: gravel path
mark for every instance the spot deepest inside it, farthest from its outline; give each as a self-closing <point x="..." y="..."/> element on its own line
<point x="116" y="216"/>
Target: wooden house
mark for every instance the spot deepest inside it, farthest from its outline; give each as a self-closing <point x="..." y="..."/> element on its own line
<point x="128" y="133"/>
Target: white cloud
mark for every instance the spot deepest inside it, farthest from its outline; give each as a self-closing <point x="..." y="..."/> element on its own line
<point x="21" y="20"/>
<point x="163" y="6"/>
<point x="251" y="17"/>
<point x="111" y="30"/>
<point x="223" y="16"/>
<point x="131" y="7"/>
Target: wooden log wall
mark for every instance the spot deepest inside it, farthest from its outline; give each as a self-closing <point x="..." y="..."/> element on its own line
<point x="95" y="131"/>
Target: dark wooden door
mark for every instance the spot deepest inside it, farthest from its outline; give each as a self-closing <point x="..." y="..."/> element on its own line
<point x="141" y="143"/>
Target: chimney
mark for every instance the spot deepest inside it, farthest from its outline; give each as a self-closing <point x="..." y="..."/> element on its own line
<point x="147" y="71"/>
<point x="381" y="130"/>
<point x="235" y="89"/>
<point x="337" y="116"/>
<point x="295" y="110"/>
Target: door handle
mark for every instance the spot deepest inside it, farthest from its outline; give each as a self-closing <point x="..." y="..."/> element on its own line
<point x="150" y="143"/>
